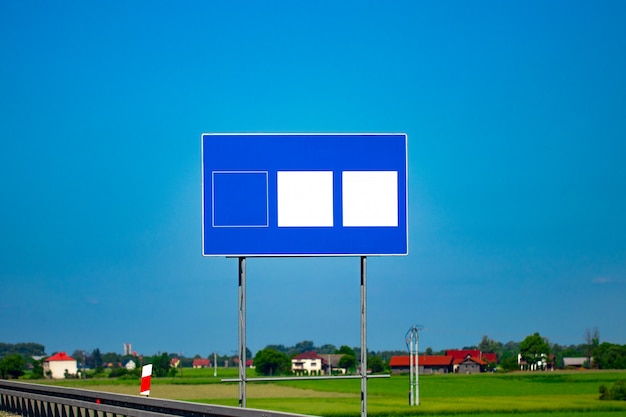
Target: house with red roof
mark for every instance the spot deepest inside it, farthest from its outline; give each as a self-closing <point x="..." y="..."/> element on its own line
<point x="457" y="361"/>
<point x="59" y="365"/>
<point x="469" y="361"/>
<point x="427" y="364"/>
<point x="308" y="363"/>
<point x="469" y="365"/>
<point x="201" y="363"/>
<point x="249" y="362"/>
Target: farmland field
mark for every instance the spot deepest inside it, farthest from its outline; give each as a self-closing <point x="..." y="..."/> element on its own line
<point x="546" y="394"/>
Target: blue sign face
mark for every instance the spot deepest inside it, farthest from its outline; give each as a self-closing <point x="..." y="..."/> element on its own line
<point x="304" y="194"/>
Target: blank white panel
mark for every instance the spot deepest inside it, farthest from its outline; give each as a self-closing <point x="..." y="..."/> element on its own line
<point x="369" y="198"/>
<point x="305" y="198"/>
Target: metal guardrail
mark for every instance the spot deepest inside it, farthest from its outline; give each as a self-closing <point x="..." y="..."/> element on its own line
<point x="35" y="400"/>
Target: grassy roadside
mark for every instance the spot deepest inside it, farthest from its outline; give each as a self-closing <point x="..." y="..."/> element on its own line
<point x="531" y="394"/>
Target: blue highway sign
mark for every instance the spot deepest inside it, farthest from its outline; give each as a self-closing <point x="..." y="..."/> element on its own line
<point x="304" y="194"/>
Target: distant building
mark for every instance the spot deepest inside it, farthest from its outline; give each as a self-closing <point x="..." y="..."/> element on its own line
<point x="130" y="365"/>
<point x="469" y="365"/>
<point x="201" y="363"/>
<point x="249" y="362"/>
<point x="469" y="361"/>
<point x="60" y="365"/>
<point x="544" y="363"/>
<point x="454" y="361"/>
<point x="308" y="363"/>
<point x="431" y="364"/>
<point x="332" y="363"/>
<point x="576" y="362"/>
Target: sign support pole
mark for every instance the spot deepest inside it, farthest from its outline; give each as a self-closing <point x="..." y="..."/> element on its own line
<point x="363" y="336"/>
<point x="242" y="332"/>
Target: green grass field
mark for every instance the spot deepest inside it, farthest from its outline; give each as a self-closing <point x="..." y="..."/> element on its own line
<point x="546" y="394"/>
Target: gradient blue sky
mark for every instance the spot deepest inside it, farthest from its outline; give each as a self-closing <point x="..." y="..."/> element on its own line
<point x="516" y="118"/>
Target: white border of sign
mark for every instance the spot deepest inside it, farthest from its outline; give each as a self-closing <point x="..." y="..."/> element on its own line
<point x="256" y="255"/>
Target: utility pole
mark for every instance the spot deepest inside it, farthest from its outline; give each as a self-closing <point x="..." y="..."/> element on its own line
<point x="412" y="337"/>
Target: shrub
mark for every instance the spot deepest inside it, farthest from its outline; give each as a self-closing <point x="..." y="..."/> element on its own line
<point x="118" y="372"/>
<point x="616" y="393"/>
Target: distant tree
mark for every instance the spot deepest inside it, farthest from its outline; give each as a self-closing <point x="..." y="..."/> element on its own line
<point x="429" y="351"/>
<point x="279" y="348"/>
<point x="592" y="339"/>
<point x="269" y="362"/>
<point x="616" y="393"/>
<point x="304" y="346"/>
<point x="37" y="372"/>
<point x="118" y="372"/>
<point x="346" y="350"/>
<point x="348" y="362"/>
<point x="112" y="357"/>
<point x="610" y="356"/>
<point x="25" y="350"/>
<point x="81" y="357"/>
<point x="488" y="345"/>
<point x="12" y="366"/>
<point x="509" y="364"/>
<point x="534" y="350"/>
<point x="510" y="347"/>
<point x="376" y="364"/>
<point x="96" y="358"/>
<point x="328" y="348"/>
<point x="160" y="364"/>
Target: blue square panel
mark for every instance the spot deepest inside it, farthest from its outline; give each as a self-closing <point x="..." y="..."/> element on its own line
<point x="239" y="199"/>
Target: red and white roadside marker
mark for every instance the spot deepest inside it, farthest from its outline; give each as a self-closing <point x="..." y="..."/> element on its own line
<point x="146" y="373"/>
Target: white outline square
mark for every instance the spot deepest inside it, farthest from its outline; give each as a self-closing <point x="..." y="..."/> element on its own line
<point x="369" y="198"/>
<point x="267" y="208"/>
<point x="305" y="198"/>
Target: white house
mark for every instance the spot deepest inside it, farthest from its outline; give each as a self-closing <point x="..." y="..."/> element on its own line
<point x="59" y="365"/>
<point x="130" y="365"/>
<point x="543" y="363"/>
<point x="308" y="363"/>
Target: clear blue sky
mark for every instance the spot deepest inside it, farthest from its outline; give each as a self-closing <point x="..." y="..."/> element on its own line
<point x="516" y="119"/>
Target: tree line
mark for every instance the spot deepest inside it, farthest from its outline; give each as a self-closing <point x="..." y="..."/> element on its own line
<point x="276" y="359"/>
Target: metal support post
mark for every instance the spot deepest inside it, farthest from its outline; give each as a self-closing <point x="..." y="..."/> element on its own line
<point x="363" y="336"/>
<point x="411" y="369"/>
<point x="242" y="332"/>
<point x="417" y="370"/>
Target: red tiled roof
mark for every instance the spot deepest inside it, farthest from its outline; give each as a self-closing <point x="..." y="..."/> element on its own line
<point x="309" y="355"/>
<point x="61" y="356"/>
<point x="462" y="354"/>
<point x="432" y="360"/>
<point x="478" y="361"/>
<point x="201" y="362"/>
<point x="490" y="357"/>
<point x="249" y="362"/>
<point x="482" y="358"/>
